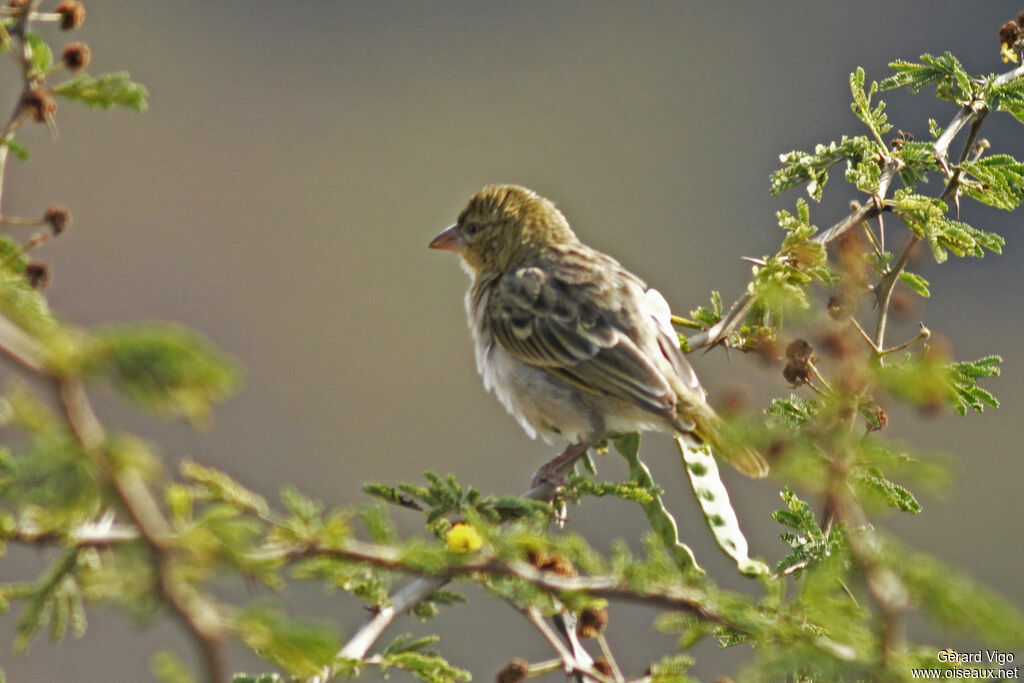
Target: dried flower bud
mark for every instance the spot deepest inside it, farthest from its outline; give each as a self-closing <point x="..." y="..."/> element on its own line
<point x="58" y="218"/>
<point x="39" y="103"/>
<point x="37" y="274"/>
<point x="797" y="373"/>
<point x="800" y="351"/>
<point x="514" y="672"/>
<point x="1020" y="20"/>
<point x="800" y="355"/>
<point x="557" y="564"/>
<point x="72" y="14"/>
<point x="880" y="421"/>
<point x="76" y="56"/>
<point x="602" y="667"/>
<point x="836" y="306"/>
<point x="592" y="622"/>
<point x="1009" y="33"/>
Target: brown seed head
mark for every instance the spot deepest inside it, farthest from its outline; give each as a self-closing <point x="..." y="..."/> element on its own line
<point x="58" y="218"/>
<point x="37" y="274"/>
<point x="592" y="622"/>
<point x="602" y="667"/>
<point x="72" y="14"/>
<point x="76" y="56"/>
<point x="514" y="672"/>
<point x="39" y="103"/>
<point x="1020" y="20"/>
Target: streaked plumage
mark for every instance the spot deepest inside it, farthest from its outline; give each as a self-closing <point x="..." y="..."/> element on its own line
<point x="571" y="342"/>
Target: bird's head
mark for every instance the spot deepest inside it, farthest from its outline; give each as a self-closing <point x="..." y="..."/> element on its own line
<point x="502" y="225"/>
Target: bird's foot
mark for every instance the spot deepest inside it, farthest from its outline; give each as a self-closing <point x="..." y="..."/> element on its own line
<point x="553" y="473"/>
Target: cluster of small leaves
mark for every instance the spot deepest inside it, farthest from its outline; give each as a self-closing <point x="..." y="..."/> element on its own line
<point x="780" y="282"/>
<point x="810" y="544"/>
<point x="1000" y="181"/>
<point x="812" y="168"/>
<point x="874" y="118"/>
<point x="951" y="81"/>
<point x="708" y="316"/>
<point x="964" y="377"/>
<point x="445" y="498"/>
<point x="926" y="217"/>
<point x="164" y="369"/>
<point x="105" y="92"/>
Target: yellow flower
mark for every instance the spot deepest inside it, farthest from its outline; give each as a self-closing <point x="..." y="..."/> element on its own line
<point x="462" y="538"/>
<point x="1007" y="53"/>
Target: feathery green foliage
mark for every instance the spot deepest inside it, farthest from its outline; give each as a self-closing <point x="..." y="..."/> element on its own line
<point x="129" y="533"/>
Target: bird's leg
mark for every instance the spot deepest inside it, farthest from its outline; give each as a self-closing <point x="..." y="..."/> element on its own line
<point x="552" y="473"/>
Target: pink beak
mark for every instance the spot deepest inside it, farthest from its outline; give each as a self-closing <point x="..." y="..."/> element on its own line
<point x="450" y="240"/>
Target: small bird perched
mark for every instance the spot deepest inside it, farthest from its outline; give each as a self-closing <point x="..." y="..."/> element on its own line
<point x="571" y="342"/>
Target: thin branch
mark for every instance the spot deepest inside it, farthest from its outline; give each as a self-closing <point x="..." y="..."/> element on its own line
<point x="402" y="601"/>
<point x="884" y="290"/>
<point x="413" y="594"/>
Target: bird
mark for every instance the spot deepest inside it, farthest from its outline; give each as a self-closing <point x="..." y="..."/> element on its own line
<point x="571" y="342"/>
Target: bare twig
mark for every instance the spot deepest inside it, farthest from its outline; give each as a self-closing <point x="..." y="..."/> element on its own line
<point x="575" y="666"/>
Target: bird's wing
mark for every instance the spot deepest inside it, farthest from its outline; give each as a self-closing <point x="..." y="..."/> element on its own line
<point x="584" y="318"/>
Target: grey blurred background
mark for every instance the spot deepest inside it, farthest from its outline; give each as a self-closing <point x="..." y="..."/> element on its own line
<point x="298" y="156"/>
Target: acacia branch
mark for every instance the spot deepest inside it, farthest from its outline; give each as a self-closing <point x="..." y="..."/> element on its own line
<point x="974" y="113"/>
<point x="195" y="612"/>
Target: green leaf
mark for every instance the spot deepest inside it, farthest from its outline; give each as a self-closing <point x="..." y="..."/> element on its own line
<point x="951" y="81"/>
<point x="795" y="412"/>
<point x="810" y="544"/>
<point x="302" y="648"/>
<point x="894" y="495"/>
<point x="166" y="666"/>
<point x="16" y="148"/>
<point x="220" y="487"/>
<point x="42" y="56"/>
<point x="964" y="378"/>
<point x="875" y="119"/>
<point x="165" y="369"/>
<point x="1002" y="179"/>
<point x="915" y="282"/>
<point x="1009" y="98"/>
<point x="105" y="92"/>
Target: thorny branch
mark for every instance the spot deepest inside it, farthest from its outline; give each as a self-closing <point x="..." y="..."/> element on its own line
<point x="974" y="113"/>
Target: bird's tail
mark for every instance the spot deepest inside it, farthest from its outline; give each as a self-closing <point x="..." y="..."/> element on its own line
<point x="740" y="455"/>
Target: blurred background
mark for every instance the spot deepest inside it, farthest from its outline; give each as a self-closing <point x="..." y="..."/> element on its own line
<point x="298" y="156"/>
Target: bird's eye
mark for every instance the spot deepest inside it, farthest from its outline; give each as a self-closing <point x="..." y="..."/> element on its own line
<point x="472" y="228"/>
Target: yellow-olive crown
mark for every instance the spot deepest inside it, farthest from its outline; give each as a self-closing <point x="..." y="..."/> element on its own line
<point x="502" y="224"/>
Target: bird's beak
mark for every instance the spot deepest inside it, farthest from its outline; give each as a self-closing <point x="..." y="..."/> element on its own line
<point x="450" y="239"/>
